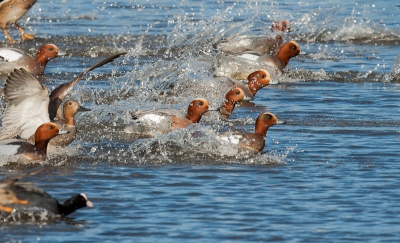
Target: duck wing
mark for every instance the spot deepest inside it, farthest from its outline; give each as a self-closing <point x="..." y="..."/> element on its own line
<point x="27" y="106"/>
<point x="12" y="58"/>
<point x="58" y="95"/>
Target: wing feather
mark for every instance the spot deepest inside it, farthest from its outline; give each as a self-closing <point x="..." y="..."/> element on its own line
<point x="27" y="107"/>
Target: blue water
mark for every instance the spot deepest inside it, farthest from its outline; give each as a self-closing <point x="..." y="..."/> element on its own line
<point x="330" y="174"/>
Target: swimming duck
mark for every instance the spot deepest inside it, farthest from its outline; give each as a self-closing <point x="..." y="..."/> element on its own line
<point x="67" y="123"/>
<point x="254" y="82"/>
<point x="29" y="103"/>
<point x="161" y="121"/>
<point x="252" y="141"/>
<point x="10" y="12"/>
<point x="27" y="152"/>
<point x="7" y="196"/>
<point x="71" y="107"/>
<point x="240" y="66"/>
<point x="281" y="25"/>
<point x="280" y="60"/>
<point x="263" y="44"/>
<point x="233" y="96"/>
<point x="12" y="58"/>
<point x="35" y="197"/>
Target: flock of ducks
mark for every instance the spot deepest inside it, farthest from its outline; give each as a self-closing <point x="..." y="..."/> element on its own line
<point x="35" y="118"/>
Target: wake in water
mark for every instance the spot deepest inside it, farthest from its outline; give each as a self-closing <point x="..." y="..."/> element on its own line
<point x="171" y="69"/>
<point x="32" y="217"/>
<point x="197" y="144"/>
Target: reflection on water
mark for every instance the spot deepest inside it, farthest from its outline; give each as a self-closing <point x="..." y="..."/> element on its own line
<point x="329" y="173"/>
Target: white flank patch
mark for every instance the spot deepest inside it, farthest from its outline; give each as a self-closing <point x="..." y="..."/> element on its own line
<point x="152" y="118"/>
<point x="249" y="57"/>
<point x="10" y="55"/>
<point x="9" y="149"/>
<point x="244" y="42"/>
<point x="231" y="138"/>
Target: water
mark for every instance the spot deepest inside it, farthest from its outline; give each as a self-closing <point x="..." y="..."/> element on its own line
<point x="329" y="174"/>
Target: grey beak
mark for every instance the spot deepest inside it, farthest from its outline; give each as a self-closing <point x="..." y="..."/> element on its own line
<point x="82" y="109"/>
<point x="62" y="132"/>
<point x="61" y="53"/>
<point x="279" y="122"/>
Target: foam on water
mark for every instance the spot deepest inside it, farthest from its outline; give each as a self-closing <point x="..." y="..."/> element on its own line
<point x="33" y="216"/>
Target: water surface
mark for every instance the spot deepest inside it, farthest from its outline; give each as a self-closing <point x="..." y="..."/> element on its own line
<point x="329" y="174"/>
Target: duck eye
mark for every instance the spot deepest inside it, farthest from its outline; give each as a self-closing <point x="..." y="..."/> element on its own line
<point x="70" y="103"/>
<point x="51" y="127"/>
<point x="201" y="103"/>
<point x="262" y="76"/>
<point x="237" y="92"/>
<point x="51" y="49"/>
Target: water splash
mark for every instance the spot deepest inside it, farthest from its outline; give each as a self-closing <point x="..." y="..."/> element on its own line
<point x="35" y="216"/>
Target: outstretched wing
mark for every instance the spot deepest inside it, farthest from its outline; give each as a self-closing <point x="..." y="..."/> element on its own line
<point x="27" y="107"/>
<point x="57" y="96"/>
<point x="11" y="58"/>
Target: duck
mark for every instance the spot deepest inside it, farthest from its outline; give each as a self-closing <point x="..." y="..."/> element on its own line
<point x="254" y="142"/>
<point x="10" y="12"/>
<point x="281" y="25"/>
<point x="241" y="65"/>
<point x="254" y="82"/>
<point x="13" y="58"/>
<point x="30" y="196"/>
<point x="280" y="60"/>
<point x="232" y="97"/>
<point x="27" y="152"/>
<point x="263" y="44"/>
<point x="161" y="121"/>
<point x="67" y="123"/>
<point x="7" y="196"/>
<point x="30" y="104"/>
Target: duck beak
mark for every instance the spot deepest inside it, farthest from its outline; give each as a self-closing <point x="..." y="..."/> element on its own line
<point x="82" y="109"/>
<point x="61" y="53"/>
<point x="279" y="122"/>
<point x="213" y="109"/>
<point x="274" y="81"/>
<point x="62" y="132"/>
